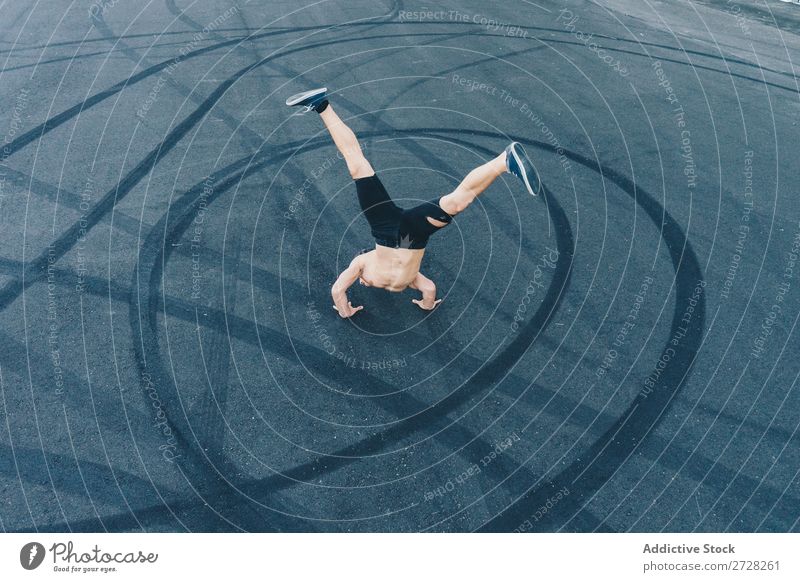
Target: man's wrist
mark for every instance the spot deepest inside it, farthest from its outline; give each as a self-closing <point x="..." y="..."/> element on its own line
<point x="340" y="300"/>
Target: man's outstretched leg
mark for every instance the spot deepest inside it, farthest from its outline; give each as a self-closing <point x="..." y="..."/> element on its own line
<point x="344" y="138"/>
<point x="513" y="160"/>
<point x="347" y="143"/>
<point x="473" y="185"/>
<point x="382" y="214"/>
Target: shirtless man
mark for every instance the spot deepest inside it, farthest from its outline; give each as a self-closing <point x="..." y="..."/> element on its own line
<point x="401" y="235"/>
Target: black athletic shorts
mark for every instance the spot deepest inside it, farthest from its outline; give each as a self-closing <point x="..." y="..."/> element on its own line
<point x="393" y="226"/>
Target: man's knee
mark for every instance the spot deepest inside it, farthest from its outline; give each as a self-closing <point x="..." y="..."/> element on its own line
<point x="359" y="168"/>
<point x="454" y="203"/>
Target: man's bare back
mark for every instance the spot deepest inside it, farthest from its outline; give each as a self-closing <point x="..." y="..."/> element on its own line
<point x="390" y="269"/>
<point x="401" y="234"/>
<point x="385" y="268"/>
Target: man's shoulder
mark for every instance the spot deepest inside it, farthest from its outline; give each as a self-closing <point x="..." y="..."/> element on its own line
<point x="362" y="258"/>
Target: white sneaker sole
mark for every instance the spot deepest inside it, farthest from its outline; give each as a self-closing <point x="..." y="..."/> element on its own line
<point x="295" y="99"/>
<point x="525" y="180"/>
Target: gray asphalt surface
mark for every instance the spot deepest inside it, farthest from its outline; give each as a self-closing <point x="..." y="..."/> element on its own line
<point x="619" y="354"/>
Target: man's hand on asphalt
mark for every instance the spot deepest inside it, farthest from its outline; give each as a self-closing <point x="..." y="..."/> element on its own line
<point x="421" y="303"/>
<point x="348" y="311"/>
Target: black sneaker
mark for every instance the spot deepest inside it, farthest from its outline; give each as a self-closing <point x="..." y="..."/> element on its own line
<point x="519" y="164"/>
<point x="308" y="99"/>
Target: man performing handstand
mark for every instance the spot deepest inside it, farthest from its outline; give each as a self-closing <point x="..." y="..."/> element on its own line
<point x="401" y="235"/>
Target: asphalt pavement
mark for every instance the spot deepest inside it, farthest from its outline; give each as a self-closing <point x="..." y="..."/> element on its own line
<point x="618" y="354"/>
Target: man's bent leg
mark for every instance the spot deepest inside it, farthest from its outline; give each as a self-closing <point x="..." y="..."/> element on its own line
<point x="471" y="187"/>
<point x="347" y="143"/>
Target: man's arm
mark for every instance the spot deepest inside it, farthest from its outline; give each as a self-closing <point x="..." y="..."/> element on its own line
<point x="342" y="284"/>
<point x="428" y="289"/>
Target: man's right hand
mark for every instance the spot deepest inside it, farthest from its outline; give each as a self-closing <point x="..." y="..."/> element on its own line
<point x="342" y="284"/>
<point x="348" y="310"/>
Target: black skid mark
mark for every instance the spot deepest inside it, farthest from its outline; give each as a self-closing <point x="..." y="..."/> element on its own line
<point x="155" y="253"/>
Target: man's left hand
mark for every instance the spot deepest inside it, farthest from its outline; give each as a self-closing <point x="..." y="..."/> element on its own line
<point x="421" y="304"/>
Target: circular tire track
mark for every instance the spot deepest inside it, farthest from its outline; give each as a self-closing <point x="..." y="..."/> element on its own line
<point x="603" y="458"/>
